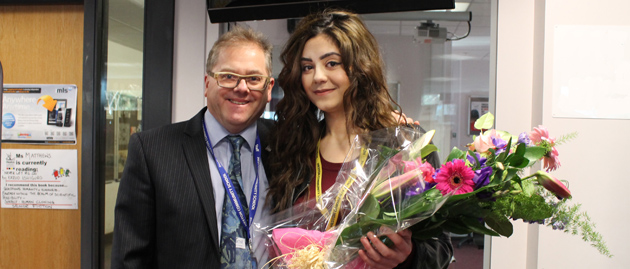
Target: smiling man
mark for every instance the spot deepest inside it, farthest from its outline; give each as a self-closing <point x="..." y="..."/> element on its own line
<point x="191" y="190"/>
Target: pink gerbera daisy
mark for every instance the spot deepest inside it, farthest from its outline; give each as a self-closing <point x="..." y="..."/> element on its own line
<point x="540" y="137"/>
<point x="455" y="176"/>
<point x="550" y="160"/>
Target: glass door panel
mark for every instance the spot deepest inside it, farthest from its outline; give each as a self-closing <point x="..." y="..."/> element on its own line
<point x="123" y="108"/>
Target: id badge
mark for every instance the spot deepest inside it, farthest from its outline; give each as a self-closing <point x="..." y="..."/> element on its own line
<point x="240" y="243"/>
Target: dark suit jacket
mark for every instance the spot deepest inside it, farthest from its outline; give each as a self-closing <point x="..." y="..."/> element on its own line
<point x="165" y="215"/>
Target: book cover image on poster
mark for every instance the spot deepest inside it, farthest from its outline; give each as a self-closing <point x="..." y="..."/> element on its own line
<point x="39" y="113"/>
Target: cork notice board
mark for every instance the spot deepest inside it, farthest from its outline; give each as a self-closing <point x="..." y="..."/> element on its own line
<point x="42" y="45"/>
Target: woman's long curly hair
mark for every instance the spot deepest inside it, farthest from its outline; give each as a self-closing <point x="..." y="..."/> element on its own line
<point x="367" y="102"/>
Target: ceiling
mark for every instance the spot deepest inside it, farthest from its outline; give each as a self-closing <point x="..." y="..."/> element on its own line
<point x="475" y="45"/>
<point x="126" y="20"/>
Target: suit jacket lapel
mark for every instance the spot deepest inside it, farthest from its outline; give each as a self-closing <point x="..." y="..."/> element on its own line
<point x="197" y="159"/>
<point x="264" y="130"/>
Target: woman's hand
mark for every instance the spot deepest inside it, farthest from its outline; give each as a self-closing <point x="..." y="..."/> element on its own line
<point x="404" y="120"/>
<point x="378" y="255"/>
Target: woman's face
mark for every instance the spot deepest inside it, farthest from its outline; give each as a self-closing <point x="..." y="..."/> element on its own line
<point x="323" y="76"/>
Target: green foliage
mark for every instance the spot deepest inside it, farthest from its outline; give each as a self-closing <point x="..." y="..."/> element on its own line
<point x="427" y="150"/>
<point x="456" y="154"/>
<point x="566" y="138"/>
<point x="526" y="205"/>
<point x="500" y="224"/>
<point x="370" y="208"/>
<point x="421" y="143"/>
<point x="570" y="219"/>
<point x="534" y="153"/>
<point x="485" y="122"/>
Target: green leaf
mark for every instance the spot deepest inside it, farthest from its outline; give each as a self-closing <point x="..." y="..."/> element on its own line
<point x="424" y="206"/>
<point x="504" y="135"/>
<point x="427" y="150"/>
<point x="421" y="142"/>
<point x="425" y="234"/>
<point x="511" y="172"/>
<point x="455" y="154"/>
<point x="528" y="188"/>
<point x="472" y="153"/>
<point x="361" y="228"/>
<point x="502" y="157"/>
<point x="384" y="153"/>
<point x="498" y="177"/>
<point x="500" y="224"/>
<point x="518" y="159"/>
<point x="533" y="154"/>
<point x="456" y="226"/>
<point x="478" y="227"/>
<point x="485" y="122"/>
<point x="370" y="208"/>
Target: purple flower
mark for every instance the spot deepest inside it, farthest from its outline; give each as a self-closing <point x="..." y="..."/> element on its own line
<point x="558" y="225"/>
<point x="471" y="159"/>
<point x="524" y="138"/>
<point x="482" y="177"/>
<point x="499" y="144"/>
<point x="418" y="188"/>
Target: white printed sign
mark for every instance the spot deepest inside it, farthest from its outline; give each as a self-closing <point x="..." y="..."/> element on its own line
<point x="45" y="179"/>
<point x="39" y="113"/>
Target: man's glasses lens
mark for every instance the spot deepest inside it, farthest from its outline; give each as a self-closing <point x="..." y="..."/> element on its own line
<point x="230" y="80"/>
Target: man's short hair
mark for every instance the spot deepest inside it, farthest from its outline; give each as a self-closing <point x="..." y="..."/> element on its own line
<point x="238" y="36"/>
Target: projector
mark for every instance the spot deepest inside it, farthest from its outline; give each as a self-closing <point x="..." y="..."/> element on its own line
<point x="429" y="32"/>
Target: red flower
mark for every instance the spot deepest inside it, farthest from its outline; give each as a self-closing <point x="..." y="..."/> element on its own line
<point x="552" y="184"/>
<point x="425" y="167"/>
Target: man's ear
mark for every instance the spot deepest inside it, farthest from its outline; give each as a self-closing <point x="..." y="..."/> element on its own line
<point x="272" y="81"/>
<point x="206" y="81"/>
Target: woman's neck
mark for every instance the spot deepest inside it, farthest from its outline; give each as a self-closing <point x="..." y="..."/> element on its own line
<point x="335" y="143"/>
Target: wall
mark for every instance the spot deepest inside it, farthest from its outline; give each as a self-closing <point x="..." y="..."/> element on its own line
<point x="42" y="45"/>
<point x="603" y="194"/>
<point x="525" y="77"/>
<point x="192" y="29"/>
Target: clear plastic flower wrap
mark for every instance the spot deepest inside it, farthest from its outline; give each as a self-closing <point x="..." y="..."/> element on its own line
<point x="384" y="186"/>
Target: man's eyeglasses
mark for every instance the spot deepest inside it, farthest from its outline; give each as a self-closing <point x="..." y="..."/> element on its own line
<point x="231" y="80"/>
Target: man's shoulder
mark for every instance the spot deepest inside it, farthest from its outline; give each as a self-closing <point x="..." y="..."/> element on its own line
<point x="177" y="128"/>
<point x="172" y="128"/>
<point x="265" y="125"/>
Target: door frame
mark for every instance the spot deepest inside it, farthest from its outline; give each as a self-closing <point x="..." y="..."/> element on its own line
<point x="156" y="107"/>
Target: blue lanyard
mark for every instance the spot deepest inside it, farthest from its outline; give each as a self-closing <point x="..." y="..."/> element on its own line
<point x="229" y="187"/>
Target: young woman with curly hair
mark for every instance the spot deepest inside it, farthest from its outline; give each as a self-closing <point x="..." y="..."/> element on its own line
<point x="334" y="88"/>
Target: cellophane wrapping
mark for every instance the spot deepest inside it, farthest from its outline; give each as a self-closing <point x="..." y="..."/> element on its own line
<point x="380" y="188"/>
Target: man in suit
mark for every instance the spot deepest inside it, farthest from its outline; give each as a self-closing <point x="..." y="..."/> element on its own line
<point x="170" y="204"/>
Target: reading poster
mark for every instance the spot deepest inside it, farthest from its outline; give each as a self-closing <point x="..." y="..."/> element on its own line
<point x="39" y="113"/>
<point x="39" y="179"/>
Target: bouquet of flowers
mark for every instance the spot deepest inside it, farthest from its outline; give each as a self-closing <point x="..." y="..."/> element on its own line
<point x="387" y="185"/>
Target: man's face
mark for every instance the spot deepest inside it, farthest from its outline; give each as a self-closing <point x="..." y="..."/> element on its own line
<point x="236" y="109"/>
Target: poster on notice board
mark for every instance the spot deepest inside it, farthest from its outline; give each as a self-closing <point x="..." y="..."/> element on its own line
<point x="39" y="113"/>
<point x="39" y="178"/>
